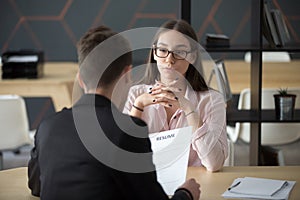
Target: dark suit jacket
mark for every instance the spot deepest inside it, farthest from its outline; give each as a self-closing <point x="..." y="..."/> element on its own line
<point x="63" y="167"/>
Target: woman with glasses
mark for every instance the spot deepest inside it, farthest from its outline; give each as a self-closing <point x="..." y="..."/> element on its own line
<point x="173" y="94"/>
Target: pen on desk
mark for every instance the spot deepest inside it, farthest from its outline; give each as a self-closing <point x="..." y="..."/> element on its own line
<point x="233" y="186"/>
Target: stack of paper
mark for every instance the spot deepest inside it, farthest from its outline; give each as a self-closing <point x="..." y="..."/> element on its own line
<point x="259" y="188"/>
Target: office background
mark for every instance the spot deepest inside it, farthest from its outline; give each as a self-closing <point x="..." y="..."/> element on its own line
<point x="55" y="26"/>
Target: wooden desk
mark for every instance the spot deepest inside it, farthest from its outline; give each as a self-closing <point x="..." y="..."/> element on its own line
<point x="213" y="185"/>
<point x="13" y="185"/>
<point x="13" y="182"/>
<point x="57" y="83"/>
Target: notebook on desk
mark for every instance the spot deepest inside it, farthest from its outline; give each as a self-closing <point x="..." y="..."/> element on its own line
<point x="259" y="188"/>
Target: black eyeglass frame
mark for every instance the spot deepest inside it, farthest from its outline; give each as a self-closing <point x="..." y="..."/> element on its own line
<point x="173" y="54"/>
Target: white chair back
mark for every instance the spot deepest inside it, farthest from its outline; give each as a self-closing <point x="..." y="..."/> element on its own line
<point x="14" y="131"/>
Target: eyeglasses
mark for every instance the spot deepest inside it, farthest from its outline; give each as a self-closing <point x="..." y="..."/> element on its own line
<point x="162" y="52"/>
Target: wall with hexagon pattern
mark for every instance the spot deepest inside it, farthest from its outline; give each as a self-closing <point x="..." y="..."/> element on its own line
<point x="55" y="26"/>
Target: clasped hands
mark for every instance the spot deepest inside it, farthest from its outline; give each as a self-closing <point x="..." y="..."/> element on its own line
<point x="167" y="95"/>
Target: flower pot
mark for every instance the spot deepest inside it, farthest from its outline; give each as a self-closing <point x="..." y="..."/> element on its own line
<point x="284" y="106"/>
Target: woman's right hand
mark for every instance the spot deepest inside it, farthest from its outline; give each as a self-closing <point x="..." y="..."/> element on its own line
<point x="144" y="100"/>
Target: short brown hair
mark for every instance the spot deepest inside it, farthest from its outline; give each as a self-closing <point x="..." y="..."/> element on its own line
<point x="90" y="71"/>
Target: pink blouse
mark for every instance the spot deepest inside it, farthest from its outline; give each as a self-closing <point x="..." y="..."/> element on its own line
<point x="209" y="142"/>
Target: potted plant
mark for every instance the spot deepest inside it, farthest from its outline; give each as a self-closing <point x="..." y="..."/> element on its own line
<point x="284" y="104"/>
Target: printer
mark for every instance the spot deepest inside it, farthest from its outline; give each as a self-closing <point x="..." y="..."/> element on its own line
<point x="22" y="64"/>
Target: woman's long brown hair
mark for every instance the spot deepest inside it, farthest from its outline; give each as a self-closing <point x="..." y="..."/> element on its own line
<point x="193" y="74"/>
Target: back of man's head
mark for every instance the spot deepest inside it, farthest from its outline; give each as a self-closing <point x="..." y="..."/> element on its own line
<point x="102" y="54"/>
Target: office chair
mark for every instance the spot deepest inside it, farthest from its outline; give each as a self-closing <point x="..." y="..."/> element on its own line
<point x="271" y="133"/>
<point x="218" y="79"/>
<point x="14" y="124"/>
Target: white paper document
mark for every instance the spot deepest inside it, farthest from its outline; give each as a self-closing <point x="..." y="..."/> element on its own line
<point x="23" y="58"/>
<point x="259" y="188"/>
<point x="170" y="156"/>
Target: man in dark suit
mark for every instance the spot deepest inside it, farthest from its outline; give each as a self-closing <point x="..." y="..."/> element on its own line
<point x="92" y="150"/>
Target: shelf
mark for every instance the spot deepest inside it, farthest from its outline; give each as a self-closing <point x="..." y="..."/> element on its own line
<point x="232" y="48"/>
<point x="257" y="47"/>
<point x="246" y="48"/>
<point x="289" y="48"/>
<point x="234" y="116"/>
<point x="267" y="116"/>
